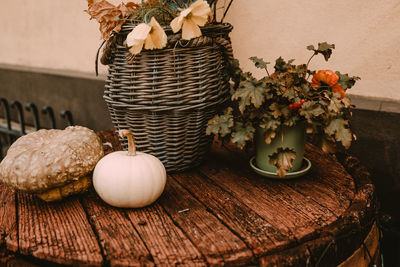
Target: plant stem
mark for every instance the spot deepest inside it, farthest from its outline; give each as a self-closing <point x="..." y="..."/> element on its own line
<point x="166" y="11"/>
<point x="131" y="141"/>
<point x="226" y="10"/>
<point x="308" y="62"/>
<point x="266" y="69"/>
<point x="215" y="11"/>
<point x="143" y="9"/>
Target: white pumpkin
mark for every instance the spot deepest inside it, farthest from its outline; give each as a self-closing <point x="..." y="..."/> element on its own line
<point x="129" y="179"/>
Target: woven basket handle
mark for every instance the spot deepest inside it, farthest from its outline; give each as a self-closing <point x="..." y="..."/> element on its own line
<point x="226" y="46"/>
<point x="174" y="41"/>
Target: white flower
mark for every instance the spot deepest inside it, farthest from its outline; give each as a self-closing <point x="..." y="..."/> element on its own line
<point x="190" y="19"/>
<point x="151" y="35"/>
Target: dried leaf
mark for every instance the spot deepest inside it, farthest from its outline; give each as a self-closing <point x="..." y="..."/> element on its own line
<point x="328" y="145"/>
<point x="283" y="159"/>
<point x="346" y="102"/>
<point x="269" y="135"/>
<point x="109" y="16"/>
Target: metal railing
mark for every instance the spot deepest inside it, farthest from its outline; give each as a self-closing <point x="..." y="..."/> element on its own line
<point x="10" y="130"/>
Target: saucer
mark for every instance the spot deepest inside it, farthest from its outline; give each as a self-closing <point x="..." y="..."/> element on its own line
<point x="306" y="166"/>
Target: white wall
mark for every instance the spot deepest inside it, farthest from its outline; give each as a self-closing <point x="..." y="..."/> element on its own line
<point x="57" y="34"/>
<point x="54" y="34"/>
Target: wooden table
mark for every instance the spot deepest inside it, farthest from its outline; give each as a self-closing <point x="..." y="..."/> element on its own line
<point x="219" y="213"/>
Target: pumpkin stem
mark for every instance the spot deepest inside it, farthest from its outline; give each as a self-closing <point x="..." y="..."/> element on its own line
<point x="131" y="141"/>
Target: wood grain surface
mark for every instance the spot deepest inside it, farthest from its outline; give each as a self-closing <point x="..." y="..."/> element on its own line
<point x="220" y="213"/>
<point x="59" y="232"/>
<point x="8" y="222"/>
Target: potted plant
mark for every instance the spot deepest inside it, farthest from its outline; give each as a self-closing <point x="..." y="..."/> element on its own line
<point x="166" y="75"/>
<point x="280" y="109"/>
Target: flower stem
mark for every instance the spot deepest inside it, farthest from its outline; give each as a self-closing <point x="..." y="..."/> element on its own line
<point x="266" y="69"/>
<point x="308" y="63"/>
<point x="215" y="11"/>
<point x="142" y="9"/>
<point x="226" y="10"/>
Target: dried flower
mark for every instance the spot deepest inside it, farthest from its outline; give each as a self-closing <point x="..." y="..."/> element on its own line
<point x="190" y="19"/>
<point x="151" y="35"/>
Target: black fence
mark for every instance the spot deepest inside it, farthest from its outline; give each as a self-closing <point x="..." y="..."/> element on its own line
<point x="13" y="123"/>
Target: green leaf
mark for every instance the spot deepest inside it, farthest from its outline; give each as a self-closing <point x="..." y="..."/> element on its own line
<point x="311" y="47"/>
<point x="305" y="88"/>
<point x="311" y="72"/>
<point x="249" y="92"/>
<point x="323" y="48"/>
<point x="346" y="81"/>
<point x="310" y="110"/>
<point x="338" y="129"/>
<point x="259" y="62"/>
<point x="268" y="123"/>
<point x="335" y="105"/>
<point x="291" y="121"/>
<point x="221" y="124"/>
<point x="279" y="110"/>
<point x="242" y="133"/>
<point x="234" y="70"/>
<point x="290" y="94"/>
<point x="281" y="65"/>
<point x="172" y="6"/>
<point x="283" y="159"/>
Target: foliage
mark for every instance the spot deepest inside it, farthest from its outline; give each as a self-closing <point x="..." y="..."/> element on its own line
<point x="287" y="97"/>
<point x="111" y="17"/>
<point x="283" y="159"/>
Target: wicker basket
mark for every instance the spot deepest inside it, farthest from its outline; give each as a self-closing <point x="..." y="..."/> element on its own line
<point x="166" y="97"/>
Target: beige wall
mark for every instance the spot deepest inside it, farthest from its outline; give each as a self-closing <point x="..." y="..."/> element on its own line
<point x="57" y="34"/>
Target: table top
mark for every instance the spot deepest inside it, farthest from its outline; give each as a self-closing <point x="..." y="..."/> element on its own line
<point x="219" y="213"/>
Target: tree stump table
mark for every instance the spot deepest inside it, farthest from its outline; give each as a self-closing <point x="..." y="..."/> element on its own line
<point x="220" y="213"/>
